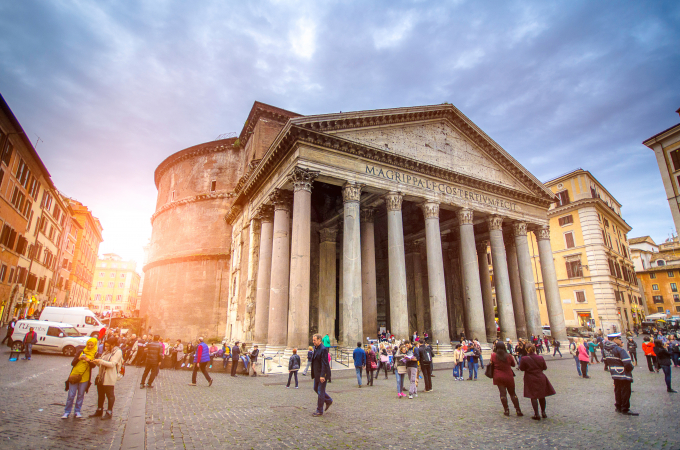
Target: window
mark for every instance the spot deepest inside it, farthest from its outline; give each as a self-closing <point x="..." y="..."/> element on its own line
<point x="7" y="152"/>
<point x="100" y="284"/>
<point x="655" y="287"/>
<point x="657" y="299"/>
<point x="3" y="273"/>
<point x="674" y="287"/>
<point x="676" y="298"/>
<point x="172" y="198"/>
<point x="119" y="298"/>
<point x="580" y="296"/>
<point x="108" y="298"/>
<point x="574" y="269"/>
<point x="213" y="186"/>
<point x="652" y="275"/>
<point x="569" y="239"/>
<point x="562" y="198"/>
<point x="101" y="274"/>
<point x="113" y="274"/>
<point x="671" y="274"/>
<point x="566" y="220"/>
<point x="53" y="331"/>
<point x="659" y="309"/>
<point x="120" y="285"/>
<point x="111" y="284"/>
<point x="675" y="157"/>
<point x="90" y="320"/>
<point x="661" y="262"/>
<point x="122" y="275"/>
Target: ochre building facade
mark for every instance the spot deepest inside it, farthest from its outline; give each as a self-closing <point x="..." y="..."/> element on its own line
<point x="345" y="223"/>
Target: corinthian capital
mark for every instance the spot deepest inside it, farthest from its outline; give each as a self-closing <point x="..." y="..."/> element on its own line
<point x="393" y="201"/>
<point x="542" y="233"/>
<point x="351" y="192"/>
<point x="519" y="228"/>
<point x="482" y="246"/>
<point x="430" y="210"/>
<point x="465" y="216"/>
<point x="302" y="179"/>
<point x="281" y="199"/>
<point x="367" y="215"/>
<point x="265" y="213"/>
<point x="328" y="234"/>
<point x="495" y="222"/>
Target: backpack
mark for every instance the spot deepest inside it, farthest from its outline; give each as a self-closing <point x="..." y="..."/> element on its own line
<point x="427" y="358"/>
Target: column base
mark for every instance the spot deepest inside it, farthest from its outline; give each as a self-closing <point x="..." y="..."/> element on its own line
<point x="271" y="350"/>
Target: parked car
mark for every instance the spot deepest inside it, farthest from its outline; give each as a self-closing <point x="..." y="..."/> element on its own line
<point x="579" y="332"/>
<point x="52" y="336"/>
<point x="546" y="330"/>
<point x="81" y="318"/>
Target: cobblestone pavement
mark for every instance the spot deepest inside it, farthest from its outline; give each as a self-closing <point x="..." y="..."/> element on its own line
<point x="32" y="400"/>
<point x="244" y="413"/>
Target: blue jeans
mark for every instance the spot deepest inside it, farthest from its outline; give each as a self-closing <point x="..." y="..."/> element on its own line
<point x="358" y="370"/>
<point x="557" y="350"/>
<point x="320" y="389"/>
<point x="578" y="365"/>
<point x="400" y="382"/>
<point x="667" y="375"/>
<point x="676" y="358"/>
<point x="471" y="367"/>
<point x="29" y="350"/>
<point x="481" y="361"/>
<point x="245" y="360"/>
<point x="73" y="390"/>
<point x="458" y="370"/>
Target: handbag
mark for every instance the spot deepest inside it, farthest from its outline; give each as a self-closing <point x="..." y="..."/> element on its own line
<point x="374" y="365"/>
<point x="75" y="378"/>
<point x="489" y="370"/>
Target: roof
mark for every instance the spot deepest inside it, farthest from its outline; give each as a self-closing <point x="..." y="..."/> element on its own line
<point x="653" y="139"/>
<point x="578" y="172"/>
<point x="640" y="240"/>
<point x="258" y="111"/>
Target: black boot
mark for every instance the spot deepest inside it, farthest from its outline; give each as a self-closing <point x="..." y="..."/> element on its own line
<point x="97" y="413"/>
<point x="506" y="410"/>
<point x="543" y="414"/>
<point x="515" y="402"/>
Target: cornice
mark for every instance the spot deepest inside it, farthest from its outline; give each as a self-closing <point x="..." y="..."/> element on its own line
<point x="294" y="135"/>
<point x="588" y="202"/>
<point x="259" y="111"/>
<point x="185" y="258"/>
<point x="192" y="152"/>
<point x="194" y="199"/>
<point x="244" y="179"/>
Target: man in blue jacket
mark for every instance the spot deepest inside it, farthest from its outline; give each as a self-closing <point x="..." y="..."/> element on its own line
<point x="201" y="359"/>
<point x="359" y="356"/>
<point x="621" y="370"/>
<point x="321" y="372"/>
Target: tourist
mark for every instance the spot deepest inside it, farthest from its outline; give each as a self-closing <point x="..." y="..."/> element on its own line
<point x="133" y="348"/>
<point x="10" y="330"/>
<point x="110" y="363"/>
<point x="154" y="358"/>
<point x="359" y="356"/>
<point x="511" y="349"/>
<point x="321" y="370"/>
<point x="310" y="355"/>
<point x="573" y="351"/>
<point x="30" y="339"/>
<point x="521" y="350"/>
<point x="179" y="354"/>
<point x="384" y="360"/>
<point x="79" y="379"/>
<point x="472" y="355"/>
<point x="621" y="371"/>
<point x="425" y="360"/>
<point x="546" y="339"/>
<point x="400" y="371"/>
<point x="478" y="346"/>
<point x="214" y="351"/>
<point x="245" y="357"/>
<point x="428" y="347"/>
<point x="371" y="366"/>
<point x="293" y="367"/>
<point x="539" y="346"/>
<point x="583" y="357"/>
<point x="458" y="358"/>
<point x="189" y="354"/>
<point x="536" y="385"/>
<point x="648" y="348"/>
<point x="226" y="354"/>
<point x="631" y="346"/>
<point x="254" y="353"/>
<point x="326" y="342"/>
<point x="674" y="348"/>
<point x="235" y="353"/>
<point x="556" y="347"/>
<point x="663" y="357"/>
<point x="412" y="370"/>
<point x="201" y="360"/>
<point x="504" y="378"/>
<point x="592" y="348"/>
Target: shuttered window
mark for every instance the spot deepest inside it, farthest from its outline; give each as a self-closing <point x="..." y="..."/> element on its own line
<point x="566" y="220"/>
<point x="580" y="296"/>
<point x="675" y="157"/>
<point x="574" y="269"/>
<point x="563" y="198"/>
<point x="569" y="239"/>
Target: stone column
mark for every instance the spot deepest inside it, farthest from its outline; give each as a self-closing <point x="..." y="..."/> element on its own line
<point x="251" y="280"/>
<point x="501" y="279"/>
<point x="351" y="266"/>
<point x="300" y="258"/>
<point x="515" y="285"/>
<point x="327" y="277"/>
<point x="369" y="294"/>
<point x="413" y="251"/>
<point x="457" y="293"/>
<point x="552" y="291"/>
<point x="277" y="336"/>
<point x="397" y="266"/>
<point x="264" y="273"/>
<point x="474" y="306"/>
<point x="435" y="277"/>
<point x="531" y="312"/>
<point x="487" y="293"/>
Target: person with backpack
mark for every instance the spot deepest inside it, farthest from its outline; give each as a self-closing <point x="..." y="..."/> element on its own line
<point x="674" y="349"/>
<point x="371" y="366"/>
<point x="110" y="368"/>
<point x="631" y="346"/>
<point x="425" y="359"/>
<point x="294" y="364"/>
<point x="556" y="347"/>
<point x="473" y="361"/>
<point x="663" y="357"/>
<point x="154" y="358"/>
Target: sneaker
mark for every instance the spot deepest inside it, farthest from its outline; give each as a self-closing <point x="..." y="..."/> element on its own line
<point x="287" y="387"/>
<point x="79" y="416"/>
<point x="210" y="367"/>
<point x="296" y="387"/>
<point x="182" y="365"/>
<point x="410" y="396"/>
<point x="65" y="416"/>
<point x="192" y="384"/>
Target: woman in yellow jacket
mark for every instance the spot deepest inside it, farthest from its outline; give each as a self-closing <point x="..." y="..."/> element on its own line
<point x="79" y="379"/>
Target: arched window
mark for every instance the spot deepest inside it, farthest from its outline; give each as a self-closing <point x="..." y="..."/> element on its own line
<point x="661" y="262"/>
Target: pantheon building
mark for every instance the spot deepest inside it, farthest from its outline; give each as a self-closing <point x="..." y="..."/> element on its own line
<point x="408" y="219"/>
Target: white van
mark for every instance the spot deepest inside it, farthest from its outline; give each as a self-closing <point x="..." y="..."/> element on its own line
<point x="81" y="318"/>
<point x="52" y="336"/>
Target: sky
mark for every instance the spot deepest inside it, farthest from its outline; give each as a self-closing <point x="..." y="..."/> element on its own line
<point x="113" y="88"/>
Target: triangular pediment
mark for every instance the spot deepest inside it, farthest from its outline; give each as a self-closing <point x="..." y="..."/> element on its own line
<point x="438" y="143"/>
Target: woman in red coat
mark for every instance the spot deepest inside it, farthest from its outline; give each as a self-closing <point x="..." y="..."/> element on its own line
<point x="536" y="384"/>
<point x="504" y="377"/>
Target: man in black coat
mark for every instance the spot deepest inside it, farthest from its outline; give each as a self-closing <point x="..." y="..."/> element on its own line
<point x="235" y="357"/>
<point x="321" y="371"/>
<point x="154" y="358"/>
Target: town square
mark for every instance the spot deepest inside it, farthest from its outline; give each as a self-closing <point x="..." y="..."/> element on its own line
<point x="339" y="225"/>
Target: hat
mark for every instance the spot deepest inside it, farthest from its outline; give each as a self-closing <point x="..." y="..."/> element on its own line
<point x="614" y="335"/>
